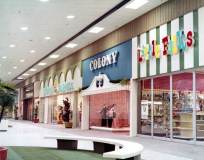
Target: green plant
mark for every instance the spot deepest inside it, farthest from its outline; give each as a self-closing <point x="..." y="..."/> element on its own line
<point x="7" y="97"/>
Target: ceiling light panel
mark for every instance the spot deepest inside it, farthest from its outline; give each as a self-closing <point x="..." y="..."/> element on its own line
<point x="42" y="64"/>
<point x="96" y="30"/>
<point x="70" y="17"/>
<point x="71" y="45"/>
<point x="54" y="56"/>
<point x="33" y="69"/>
<point x="136" y="4"/>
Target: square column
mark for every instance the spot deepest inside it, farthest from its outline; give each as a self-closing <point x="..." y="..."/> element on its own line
<point x="85" y="113"/>
<point x="133" y="107"/>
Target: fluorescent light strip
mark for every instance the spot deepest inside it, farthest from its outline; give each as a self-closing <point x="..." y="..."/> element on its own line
<point x="33" y="69"/>
<point x="136" y="4"/>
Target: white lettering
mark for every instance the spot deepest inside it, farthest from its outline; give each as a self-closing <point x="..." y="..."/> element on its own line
<point x="103" y="61"/>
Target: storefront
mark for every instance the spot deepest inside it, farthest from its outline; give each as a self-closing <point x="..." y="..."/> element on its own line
<point x="168" y="68"/>
<point x="106" y="97"/>
<point x="65" y="86"/>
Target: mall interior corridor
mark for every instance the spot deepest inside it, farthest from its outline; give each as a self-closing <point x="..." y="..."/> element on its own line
<point x="24" y="133"/>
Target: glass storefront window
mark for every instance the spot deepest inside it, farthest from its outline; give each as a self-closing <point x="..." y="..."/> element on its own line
<point x="146" y="107"/>
<point x="182" y="106"/>
<point x="110" y="110"/>
<point x="161" y="107"/>
<point x="200" y="106"/>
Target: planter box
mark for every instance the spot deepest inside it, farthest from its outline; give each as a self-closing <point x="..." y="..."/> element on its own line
<point x="3" y="153"/>
<point x="4" y="125"/>
<point x="68" y="124"/>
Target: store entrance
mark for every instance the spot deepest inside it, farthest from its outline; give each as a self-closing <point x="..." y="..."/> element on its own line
<point x="27" y="109"/>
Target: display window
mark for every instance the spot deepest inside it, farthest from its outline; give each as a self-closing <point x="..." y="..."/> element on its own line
<point x="182" y="106"/>
<point x="200" y="106"/>
<point x="146" y="109"/>
<point x="161" y="106"/>
<point x="110" y="109"/>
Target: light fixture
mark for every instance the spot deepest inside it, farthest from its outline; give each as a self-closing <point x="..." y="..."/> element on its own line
<point x="44" y="0"/>
<point x="22" y="60"/>
<point x="15" y="67"/>
<point x="4" y="57"/>
<point x="26" y="74"/>
<point x="71" y="45"/>
<point x="24" y="28"/>
<point x="33" y="69"/>
<point x="47" y="38"/>
<point x="53" y="56"/>
<point x="96" y="29"/>
<point x="20" y="78"/>
<point x="9" y="73"/>
<point x="70" y="17"/>
<point x="136" y="4"/>
<point x="42" y="64"/>
<point x="12" y="45"/>
<point x="32" y="51"/>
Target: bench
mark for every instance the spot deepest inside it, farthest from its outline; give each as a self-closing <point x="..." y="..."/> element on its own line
<point x="110" y="148"/>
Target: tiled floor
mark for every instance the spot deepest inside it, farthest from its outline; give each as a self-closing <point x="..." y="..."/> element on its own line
<point x="25" y="133"/>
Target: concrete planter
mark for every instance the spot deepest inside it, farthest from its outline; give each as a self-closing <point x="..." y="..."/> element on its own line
<point x="3" y="153"/>
<point x="4" y="125"/>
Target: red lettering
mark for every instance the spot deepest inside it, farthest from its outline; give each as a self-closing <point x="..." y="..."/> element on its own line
<point x="140" y="58"/>
<point x="189" y="39"/>
<point x="165" y="41"/>
<point x="153" y="48"/>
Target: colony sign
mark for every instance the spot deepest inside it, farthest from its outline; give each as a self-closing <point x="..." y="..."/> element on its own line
<point x="171" y="45"/>
<point x="104" y="61"/>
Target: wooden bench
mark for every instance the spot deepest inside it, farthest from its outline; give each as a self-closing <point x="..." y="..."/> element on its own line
<point x="110" y="148"/>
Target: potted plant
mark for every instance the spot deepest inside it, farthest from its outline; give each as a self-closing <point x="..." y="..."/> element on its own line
<point x="35" y="113"/>
<point x="7" y="99"/>
<point x="67" y="113"/>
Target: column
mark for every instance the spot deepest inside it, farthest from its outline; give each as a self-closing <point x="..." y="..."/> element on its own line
<point x="133" y="107"/>
<point x="85" y="113"/>
<point x="74" y="111"/>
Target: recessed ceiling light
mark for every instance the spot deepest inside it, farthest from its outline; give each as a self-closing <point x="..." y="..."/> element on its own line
<point x="42" y="64"/>
<point x="71" y="45"/>
<point x="15" y="67"/>
<point x="32" y="51"/>
<point x="54" y="56"/>
<point x="4" y="57"/>
<point x="136" y="4"/>
<point x="26" y="74"/>
<point x="96" y="29"/>
<point x="70" y="16"/>
<point x="9" y="73"/>
<point x="47" y="38"/>
<point x="12" y="45"/>
<point x="22" y="60"/>
<point x="33" y="69"/>
<point x="24" y="28"/>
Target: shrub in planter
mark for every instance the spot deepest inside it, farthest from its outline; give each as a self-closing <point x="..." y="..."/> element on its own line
<point x="3" y="153"/>
<point x="67" y="113"/>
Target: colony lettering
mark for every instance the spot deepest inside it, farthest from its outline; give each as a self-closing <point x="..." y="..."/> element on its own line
<point x="171" y="45"/>
<point x="104" y="61"/>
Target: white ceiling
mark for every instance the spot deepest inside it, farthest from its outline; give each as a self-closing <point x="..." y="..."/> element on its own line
<point x="49" y="19"/>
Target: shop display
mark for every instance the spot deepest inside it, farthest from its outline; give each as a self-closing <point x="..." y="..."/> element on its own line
<point x="67" y="113"/>
<point x="182" y="115"/>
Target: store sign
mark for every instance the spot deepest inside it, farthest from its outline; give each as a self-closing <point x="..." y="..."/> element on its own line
<point x="104" y="61"/>
<point x="115" y="62"/>
<point x="66" y="87"/>
<point x="171" y="45"/>
<point x="47" y="91"/>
